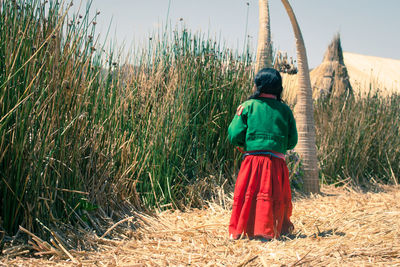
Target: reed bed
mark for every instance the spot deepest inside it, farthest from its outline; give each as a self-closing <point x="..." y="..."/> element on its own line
<point x="340" y="227"/>
<point x="358" y="139"/>
<point x="88" y="139"/>
<point x="83" y="132"/>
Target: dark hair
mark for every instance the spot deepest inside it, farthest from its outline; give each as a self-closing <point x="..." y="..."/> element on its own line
<point x="268" y="81"/>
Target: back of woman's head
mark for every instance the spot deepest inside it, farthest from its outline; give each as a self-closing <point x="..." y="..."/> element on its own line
<point x="268" y="81"/>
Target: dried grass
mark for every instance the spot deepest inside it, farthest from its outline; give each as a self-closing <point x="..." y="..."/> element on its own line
<point x="341" y="227"/>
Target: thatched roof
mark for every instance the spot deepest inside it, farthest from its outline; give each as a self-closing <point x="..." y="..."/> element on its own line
<point x="331" y="77"/>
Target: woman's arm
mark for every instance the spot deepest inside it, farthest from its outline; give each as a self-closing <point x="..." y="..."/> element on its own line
<point x="292" y="138"/>
<point x="238" y="127"/>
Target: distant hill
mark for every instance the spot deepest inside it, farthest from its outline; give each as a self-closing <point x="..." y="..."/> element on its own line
<point x="381" y="73"/>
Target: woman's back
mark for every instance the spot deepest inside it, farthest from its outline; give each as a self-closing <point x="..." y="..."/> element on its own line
<point x="263" y="124"/>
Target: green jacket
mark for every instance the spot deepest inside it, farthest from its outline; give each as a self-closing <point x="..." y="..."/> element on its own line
<point x="263" y="124"/>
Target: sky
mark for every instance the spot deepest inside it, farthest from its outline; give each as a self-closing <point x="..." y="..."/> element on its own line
<point x="369" y="27"/>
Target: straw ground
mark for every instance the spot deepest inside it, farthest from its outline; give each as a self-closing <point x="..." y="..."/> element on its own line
<point x="341" y="227"/>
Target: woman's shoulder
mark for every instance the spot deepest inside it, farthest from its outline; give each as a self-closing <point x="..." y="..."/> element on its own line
<point x="247" y="103"/>
<point x="285" y="106"/>
<point x="261" y="102"/>
<point x="282" y="107"/>
<point x="287" y="110"/>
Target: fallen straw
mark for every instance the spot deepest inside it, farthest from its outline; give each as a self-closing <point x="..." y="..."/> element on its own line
<point x="116" y="224"/>
<point x="339" y="228"/>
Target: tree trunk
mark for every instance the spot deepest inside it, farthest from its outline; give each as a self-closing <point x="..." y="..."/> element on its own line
<point x="304" y="112"/>
<point x="264" y="48"/>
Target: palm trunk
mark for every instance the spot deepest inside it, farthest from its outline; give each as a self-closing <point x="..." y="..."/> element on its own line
<point x="264" y="48"/>
<point x="304" y="112"/>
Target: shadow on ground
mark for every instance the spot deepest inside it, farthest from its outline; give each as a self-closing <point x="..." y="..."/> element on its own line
<point x="326" y="233"/>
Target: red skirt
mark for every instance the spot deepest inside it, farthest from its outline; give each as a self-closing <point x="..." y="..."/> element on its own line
<point x="262" y="202"/>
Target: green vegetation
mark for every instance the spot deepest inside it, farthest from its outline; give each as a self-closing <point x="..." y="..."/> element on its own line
<point x="78" y="130"/>
<point x="358" y="140"/>
<point x="49" y="90"/>
<point x="81" y="131"/>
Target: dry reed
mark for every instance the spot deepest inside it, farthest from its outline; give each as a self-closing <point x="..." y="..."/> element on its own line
<point x="341" y="227"/>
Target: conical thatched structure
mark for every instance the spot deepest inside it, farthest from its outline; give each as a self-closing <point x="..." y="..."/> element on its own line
<point x="330" y="79"/>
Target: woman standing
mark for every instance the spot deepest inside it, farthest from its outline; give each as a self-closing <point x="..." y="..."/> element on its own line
<point x="264" y="127"/>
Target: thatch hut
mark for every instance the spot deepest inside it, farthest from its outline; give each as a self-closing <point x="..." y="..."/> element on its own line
<point x="331" y="79"/>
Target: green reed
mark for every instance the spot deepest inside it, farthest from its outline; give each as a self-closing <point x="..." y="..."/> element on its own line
<point x="49" y="80"/>
<point x="358" y="140"/>
<point x="78" y="128"/>
<point x="180" y="102"/>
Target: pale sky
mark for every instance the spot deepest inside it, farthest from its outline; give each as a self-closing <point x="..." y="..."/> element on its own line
<point x="369" y="27"/>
